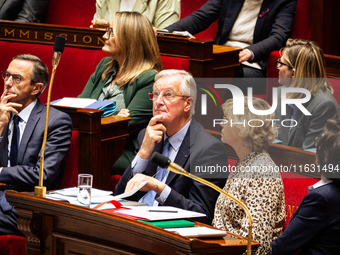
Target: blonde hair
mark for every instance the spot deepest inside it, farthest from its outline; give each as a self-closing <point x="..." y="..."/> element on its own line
<point x="255" y="137"/>
<point x="309" y="63"/>
<point x="136" y="40"/>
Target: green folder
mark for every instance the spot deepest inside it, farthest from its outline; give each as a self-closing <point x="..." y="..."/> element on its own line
<point x="170" y="223"/>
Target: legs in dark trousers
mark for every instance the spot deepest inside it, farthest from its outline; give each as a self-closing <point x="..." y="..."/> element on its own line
<point x="8" y="217"/>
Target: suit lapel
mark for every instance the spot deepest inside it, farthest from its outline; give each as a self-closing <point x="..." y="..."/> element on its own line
<point x="261" y="18"/>
<point x="183" y="156"/>
<point x="231" y="9"/>
<point x="151" y="168"/>
<point x="299" y="118"/>
<point x="2" y="3"/>
<point x="293" y="130"/>
<point x="285" y="130"/>
<point x="29" y="129"/>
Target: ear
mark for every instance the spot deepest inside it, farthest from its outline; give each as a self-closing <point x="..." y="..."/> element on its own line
<point x="188" y="104"/>
<point x="37" y="88"/>
<point x="293" y="72"/>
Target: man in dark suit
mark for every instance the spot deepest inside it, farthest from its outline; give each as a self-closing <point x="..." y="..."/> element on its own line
<point x="260" y="29"/>
<point x="315" y="226"/>
<point x="23" y="10"/>
<point x="21" y="140"/>
<point x="189" y="146"/>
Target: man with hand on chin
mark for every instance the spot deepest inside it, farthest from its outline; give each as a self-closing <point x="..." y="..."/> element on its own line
<point x="173" y="132"/>
<point x="22" y="125"/>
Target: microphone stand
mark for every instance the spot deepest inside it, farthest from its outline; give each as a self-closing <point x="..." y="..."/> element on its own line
<point x="178" y="170"/>
<point x="41" y="190"/>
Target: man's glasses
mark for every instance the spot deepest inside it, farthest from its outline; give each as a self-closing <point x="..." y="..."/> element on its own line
<point x="16" y="77"/>
<point x="167" y="95"/>
<point x="109" y="31"/>
<point x="279" y="63"/>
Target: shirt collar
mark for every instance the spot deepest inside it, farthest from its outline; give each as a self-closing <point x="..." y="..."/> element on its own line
<point x="26" y="112"/>
<point x="177" y="139"/>
<point x="110" y="75"/>
<point x="322" y="182"/>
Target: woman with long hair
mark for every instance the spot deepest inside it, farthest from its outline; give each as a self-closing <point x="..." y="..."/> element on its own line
<point x="302" y="65"/>
<point x="127" y="76"/>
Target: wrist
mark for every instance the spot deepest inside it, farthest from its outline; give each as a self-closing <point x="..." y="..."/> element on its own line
<point x="251" y="54"/>
<point x="143" y="154"/>
<point x="160" y="188"/>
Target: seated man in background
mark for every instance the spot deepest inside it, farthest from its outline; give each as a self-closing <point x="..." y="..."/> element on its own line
<point x="23" y="10"/>
<point x="161" y="13"/>
<point x="173" y="131"/>
<point x="22" y="125"/>
<point x="259" y="27"/>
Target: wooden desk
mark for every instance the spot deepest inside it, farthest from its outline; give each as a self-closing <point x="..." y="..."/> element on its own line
<point x="53" y="227"/>
<point x="101" y="142"/>
<point x="206" y="59"/>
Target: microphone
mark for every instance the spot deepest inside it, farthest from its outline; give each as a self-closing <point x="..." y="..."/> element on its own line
<point x="164" y="162"/>
<point x="58" y="48"/>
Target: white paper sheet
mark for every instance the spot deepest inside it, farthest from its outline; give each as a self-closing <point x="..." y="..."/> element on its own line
<point x="131" y="192"/>
<point x="75" y="102"/>
<point x="160" y="213"/>
<point x="198" y="232"/>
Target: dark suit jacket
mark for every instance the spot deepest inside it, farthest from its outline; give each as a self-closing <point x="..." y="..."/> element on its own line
<point x="198" y="148"/>
<point x="25" y="175"/>
<point x="271" y="32"/>
<point x="23" y="10"/>
<point x="322" y="107"/>
<point x="315" y="226"/>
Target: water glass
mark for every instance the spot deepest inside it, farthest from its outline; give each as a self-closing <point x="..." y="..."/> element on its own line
<point x="84" y="189"/>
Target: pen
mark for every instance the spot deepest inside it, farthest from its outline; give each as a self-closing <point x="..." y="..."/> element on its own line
<point x="169" y="211"/>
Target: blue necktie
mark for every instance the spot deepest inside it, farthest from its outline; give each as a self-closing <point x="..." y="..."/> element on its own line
<point x="13" y="156"/>
<point x="151" y="194"/>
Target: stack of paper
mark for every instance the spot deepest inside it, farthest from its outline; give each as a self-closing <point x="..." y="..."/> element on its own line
<point x="70" y="195"/>
<point x="109" y="107"/>
<point x="151" y="213"/>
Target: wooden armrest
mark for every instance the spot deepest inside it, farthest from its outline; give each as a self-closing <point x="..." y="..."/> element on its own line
<point x="3" y="186"/>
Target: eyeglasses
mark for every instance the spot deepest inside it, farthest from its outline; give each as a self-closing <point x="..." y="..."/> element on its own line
<point x="16" y="77"/>
<point x="225" y="120"/>
<point x="109" y="31"/>
<point x="279" y="63"/>
<point x="167" y="95"/>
